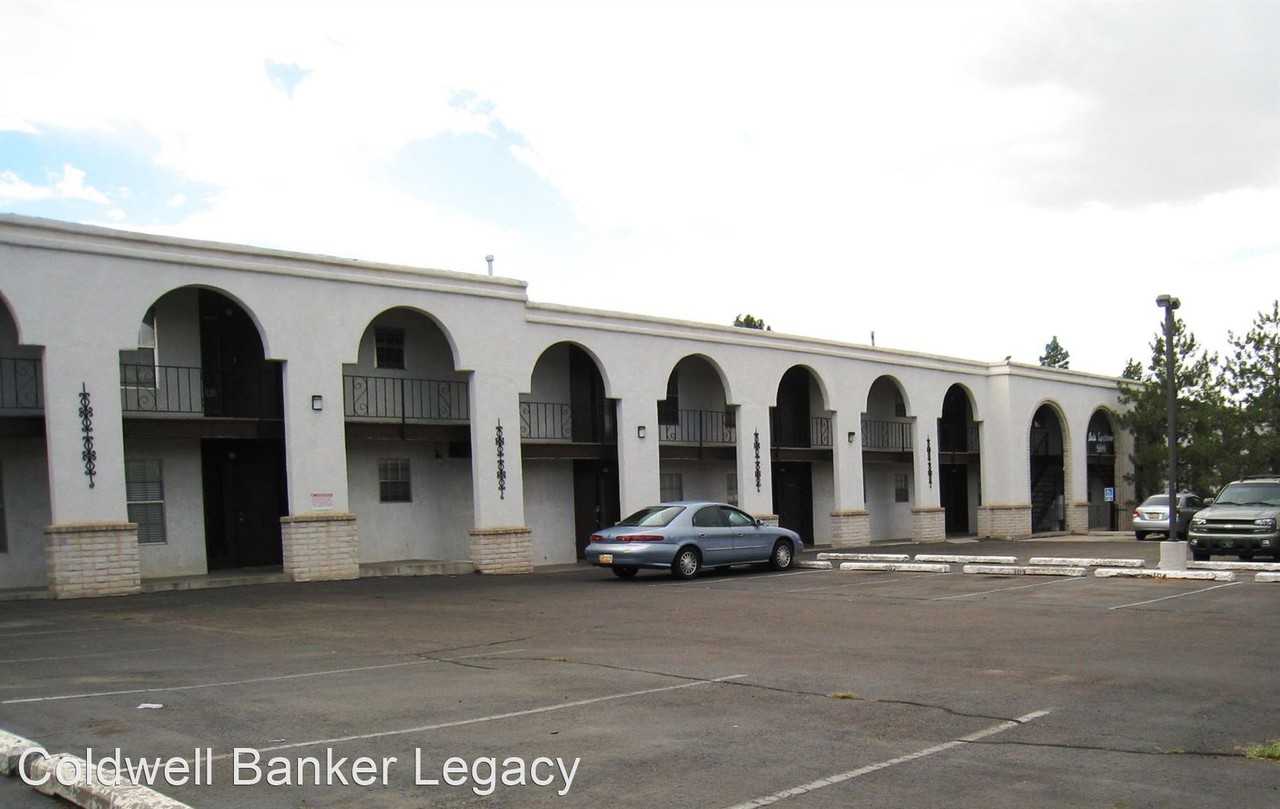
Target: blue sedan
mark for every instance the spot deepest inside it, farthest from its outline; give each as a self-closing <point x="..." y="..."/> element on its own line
<point x="686" y="537"/>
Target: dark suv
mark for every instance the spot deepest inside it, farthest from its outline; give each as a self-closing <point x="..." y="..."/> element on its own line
<point x="1241" y="520"/>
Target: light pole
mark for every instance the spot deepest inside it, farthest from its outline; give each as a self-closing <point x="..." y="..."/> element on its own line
<point x="1169" y="303"/>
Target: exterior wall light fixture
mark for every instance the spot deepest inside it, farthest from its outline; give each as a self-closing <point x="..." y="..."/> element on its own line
<point x="852" y="434"/>
<point x="317" y="402"/>
<point x="640" y="432"/>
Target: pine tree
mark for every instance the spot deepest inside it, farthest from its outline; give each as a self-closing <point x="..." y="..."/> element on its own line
<point x="1055" y="356"/>
<point x="749" y="321"/>
<point x="1252" y="377"/>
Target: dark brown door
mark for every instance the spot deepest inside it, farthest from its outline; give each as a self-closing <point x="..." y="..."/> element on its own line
<point x="595" y="499"/>
<point x="955" y="497"/>
<point x="793" y="498"/>
<point x="244" y="498"/>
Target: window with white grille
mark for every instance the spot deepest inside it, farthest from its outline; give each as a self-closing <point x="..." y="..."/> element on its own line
<point x="393" y="481"/>
<point x="144" y="494"/>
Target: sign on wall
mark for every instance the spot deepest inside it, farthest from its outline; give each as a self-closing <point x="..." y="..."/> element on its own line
<point x="1109" y="494"/>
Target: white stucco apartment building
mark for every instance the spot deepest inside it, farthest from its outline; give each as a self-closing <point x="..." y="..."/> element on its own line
<point x="173" y="408"/>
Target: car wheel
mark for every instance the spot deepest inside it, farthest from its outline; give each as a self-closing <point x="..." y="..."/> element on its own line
<point x="625" y="571"/>
<point x="686" y="564"/>
<point x="783" y="555"/>
<point x="1200" y="556"/>
<point x="1141" y="535"/>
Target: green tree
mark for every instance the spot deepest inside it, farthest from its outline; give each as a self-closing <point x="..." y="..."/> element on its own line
<point x="1206" y="424"/>
<point x="750" y="321"/>
<point x="1252" y="376"/>
<point x="1055" y="356"/>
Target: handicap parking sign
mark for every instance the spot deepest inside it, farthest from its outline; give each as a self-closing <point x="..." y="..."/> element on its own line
<point x="1109" y="494"/>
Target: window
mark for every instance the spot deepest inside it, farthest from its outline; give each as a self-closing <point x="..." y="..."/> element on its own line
<point x="737" y="519"/>
<point x="671" y="487"/>
<point x="388" y="346"/>
<point x="144" y="496"/>
<point x="901" y="492"/>
<point x="731" y="487"/>
<point x="653" y="517"/>
<point x="393" y="481"/>
<point x="138" y="367"/>
<point x="709" y="517"/>
<point x="669" y="408"/>
<point x="4" y="523"/>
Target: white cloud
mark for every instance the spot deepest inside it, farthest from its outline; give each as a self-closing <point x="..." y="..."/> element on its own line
<point x="69" y="185"/>
<point x="177" y="200"/>
<point x="835" y="168"/>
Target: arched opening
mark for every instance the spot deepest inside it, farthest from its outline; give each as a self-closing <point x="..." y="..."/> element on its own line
<point x="959" y="460"/>
<point x="408" y="440"/>
<point x="803" y="474"/>
<point x="888" y="471"/>
<point x="697" y="435"/>
<point x="24" y="469"/>
<point x="569" y="447"/>
<point x="1048" y="475"/>
<point x="203" y="437"/>
<point x="1100" y="449"/>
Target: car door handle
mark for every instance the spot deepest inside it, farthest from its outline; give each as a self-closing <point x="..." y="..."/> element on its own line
<point x="702" y="536"/>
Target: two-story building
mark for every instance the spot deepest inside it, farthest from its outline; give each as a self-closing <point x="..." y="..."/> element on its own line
<point x="172" y="409"/>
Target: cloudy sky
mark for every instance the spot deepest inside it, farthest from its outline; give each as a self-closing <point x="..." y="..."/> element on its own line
<point x="962" y="178"/>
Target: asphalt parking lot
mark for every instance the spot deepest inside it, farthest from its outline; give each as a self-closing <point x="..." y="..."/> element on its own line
<point x="905" y="690"/>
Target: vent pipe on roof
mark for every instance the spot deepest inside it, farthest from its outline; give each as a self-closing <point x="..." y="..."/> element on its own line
<point x="489" y="259"/>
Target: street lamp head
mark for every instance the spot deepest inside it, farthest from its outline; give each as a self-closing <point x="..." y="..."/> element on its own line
<point x="1168" y="302"/>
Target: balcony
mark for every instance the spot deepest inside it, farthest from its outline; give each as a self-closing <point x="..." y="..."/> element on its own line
<point x="177" y="390"/>
<point x="556" y="421"/>
<point x="790" y="436"/>
<point x="699" y="428"/>
<point x="405" y="400"/>
<point x="20" y="386"/>
<point x="957" y="437"/>
<point x="886" y="435"/>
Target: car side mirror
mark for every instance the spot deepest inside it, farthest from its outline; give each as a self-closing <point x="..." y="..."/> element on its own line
<point x="1208" y="501"/>
<point x="759" y="523"/>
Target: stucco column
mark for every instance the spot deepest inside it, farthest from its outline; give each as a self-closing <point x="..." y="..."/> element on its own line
<point x="637" y="457"/>
<point x="500" y="540"/>
<point x="320" y="538"/>
<point x="1076" y="477"/>
<point x="850" y="522"/>
<point x="1005" y="512"/>
<point x="91" y="548"/>
<point x="928" y="520"/>
<point x="755" y="472"/>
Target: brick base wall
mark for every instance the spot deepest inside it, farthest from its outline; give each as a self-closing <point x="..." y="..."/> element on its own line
<point x="502" y="550"/>
<point x="1004" y="521"/>
<point x="1078" y="518"/>
<point x="321" y="546"/>
<point x="850" y="529"/>
<point x="928" y="524"/>
<point x="88" y="560"/>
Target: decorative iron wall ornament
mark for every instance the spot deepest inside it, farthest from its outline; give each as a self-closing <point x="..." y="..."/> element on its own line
<point x="501" y="443"/>
<point x="928" y="456"/>
<point x="89" y="455"/>
<point x="757" y="444"/>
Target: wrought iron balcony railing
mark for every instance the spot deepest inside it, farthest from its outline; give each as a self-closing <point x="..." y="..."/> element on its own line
<point x="785" y="434"/>
<point x="887" y="435"/>
<point x="954" y="437"/>
<point x="558" y="421"/>
<point x="700" y="427"/>
<point x="20" y="385"/>
<point x="404" y="399"/>
<point x="188" y="390"/>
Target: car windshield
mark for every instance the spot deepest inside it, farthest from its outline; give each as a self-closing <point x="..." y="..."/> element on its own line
<point x="1156" y="500"/>
<point x="1249" y="494"/>
<point x="652" y="517"/>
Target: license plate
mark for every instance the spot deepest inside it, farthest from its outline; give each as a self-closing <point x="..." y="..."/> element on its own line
<point x="606" y="558"/>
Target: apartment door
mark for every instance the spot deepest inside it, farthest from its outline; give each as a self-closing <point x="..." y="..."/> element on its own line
<point x="244" y="499"/>
<point x="793" y="498"/>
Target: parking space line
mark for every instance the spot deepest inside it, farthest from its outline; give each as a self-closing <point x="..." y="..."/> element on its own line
<point x="1175" y="595"/>
<point x="559" y="706"/>
<point x="276" y="678"/>
<point x="1006" y="589"/>
<point x="764" y="578"/>
<point x="839" y="778"/>
<point x="867" y="582"/>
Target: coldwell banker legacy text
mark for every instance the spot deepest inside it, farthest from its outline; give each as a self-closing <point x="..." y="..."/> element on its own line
<point x="483" y="774"/>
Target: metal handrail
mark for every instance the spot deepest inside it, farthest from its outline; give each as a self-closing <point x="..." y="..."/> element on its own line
<point x="546" y="421"/>
<point x="404" y="399"/>
<point x="20" y="385"/>
<point x="893" y="435"/>
<point x="254" y="392"/>
<point x="700" y="427"/>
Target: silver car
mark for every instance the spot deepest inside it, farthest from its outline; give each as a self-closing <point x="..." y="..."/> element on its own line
<point x="1152" y="517"/>
<point x="687" y="536"/>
